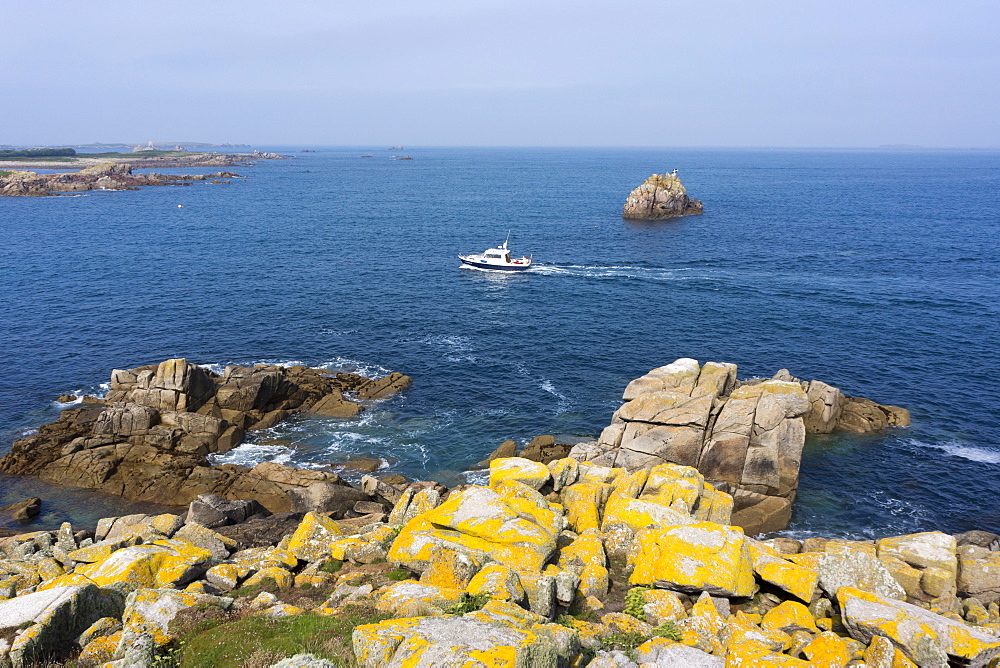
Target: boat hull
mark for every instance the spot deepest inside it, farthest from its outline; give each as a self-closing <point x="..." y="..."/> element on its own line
<point x="479" y="264"/>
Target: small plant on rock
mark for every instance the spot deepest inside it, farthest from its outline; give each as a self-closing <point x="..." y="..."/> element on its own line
<point x="331" y="566"/>
<point x="669" y="631"/>
<point x="469" y="603"/>
<point x="634" y="601"/>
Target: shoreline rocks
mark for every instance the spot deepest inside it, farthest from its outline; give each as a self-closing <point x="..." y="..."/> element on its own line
<point x="560" y="564"/>
<point x="151" y="438"/>
<point x="746" y="437"/>
<point x="661" y="196"/>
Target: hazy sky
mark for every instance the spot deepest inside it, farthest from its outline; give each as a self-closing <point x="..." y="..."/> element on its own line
<point x="485" y="72"/>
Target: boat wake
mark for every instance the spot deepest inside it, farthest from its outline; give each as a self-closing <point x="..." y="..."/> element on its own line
<point x="611" y="272"/>
<point x="961" y="449"/>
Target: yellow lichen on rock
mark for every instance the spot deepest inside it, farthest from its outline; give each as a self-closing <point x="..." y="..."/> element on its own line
<point x="828" y="649"/>
<point x="165" y="563"/>
<point x="313" y="537"/>
<point x="532" y="474"/>
<point x="282" y="578"/>
<point x="515" y="532"/>
<point x="696" y="557"/>
<point x="789" y="617"/>
<point x="498" y="581"/>
<point x="583" y="502"/>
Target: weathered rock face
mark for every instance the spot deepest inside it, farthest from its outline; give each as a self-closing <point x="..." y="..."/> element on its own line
<point x="660" y="196"/>
<point x="151" y="441"/>
<point x="744" y="436"/>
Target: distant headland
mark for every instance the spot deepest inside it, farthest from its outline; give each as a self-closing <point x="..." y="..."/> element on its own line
<point x="109" y="170"/>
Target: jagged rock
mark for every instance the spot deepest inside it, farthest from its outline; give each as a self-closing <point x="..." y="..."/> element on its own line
<point x="745" y="435"/>
<point x="261" y="531"/>
<point x="152" y="440"/>
<point x="660" y="196"/>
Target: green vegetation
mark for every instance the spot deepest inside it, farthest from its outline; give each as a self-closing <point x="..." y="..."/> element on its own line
<point x="469" y="603"/>
<point x="634" y="600"/>
<point x="398" y="574"/>
<point x="626" y="642"/>
<point x="5" y="173"/>
<point x="259" y="641"/>
<point x="669" y="631"/>
<point x="331" y="566"/>
<point x="38" y="153"/>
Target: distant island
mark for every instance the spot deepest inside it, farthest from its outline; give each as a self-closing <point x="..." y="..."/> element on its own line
<point x="109" y="170"/>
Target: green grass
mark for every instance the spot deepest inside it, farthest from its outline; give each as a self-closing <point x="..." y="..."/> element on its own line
<point x="331" y="566"/>
<point x="5" y="173"/>
<point x="469" y="603"/>
<point x="398" y="574"/>
<point x="258" y="641"/>
<point x="669" y="631"/>
<point x="45" y="158"/>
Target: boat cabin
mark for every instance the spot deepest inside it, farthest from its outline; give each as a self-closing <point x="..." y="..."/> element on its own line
<point x="497" y="254"/>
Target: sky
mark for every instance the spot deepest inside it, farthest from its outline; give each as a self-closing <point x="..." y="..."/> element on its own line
<point x="772" y="73"/>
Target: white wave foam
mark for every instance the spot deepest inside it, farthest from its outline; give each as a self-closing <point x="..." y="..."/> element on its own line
<point x="970" y="452"/>
<point x="481" y="477"/>
<point x="251" y="454"/>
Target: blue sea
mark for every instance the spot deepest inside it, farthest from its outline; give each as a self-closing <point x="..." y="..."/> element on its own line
<point x="874" y="271"/>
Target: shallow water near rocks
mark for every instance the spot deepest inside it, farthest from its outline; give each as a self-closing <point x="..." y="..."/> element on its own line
<point x="876" y="272"/>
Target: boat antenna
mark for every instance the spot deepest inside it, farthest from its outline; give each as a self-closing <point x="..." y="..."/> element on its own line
<point x="507" y="239"/>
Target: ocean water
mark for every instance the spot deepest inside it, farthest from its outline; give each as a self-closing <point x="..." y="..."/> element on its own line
<point x="876" y="272"/>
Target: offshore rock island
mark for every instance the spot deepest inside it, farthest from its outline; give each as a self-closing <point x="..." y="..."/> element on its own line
<point x="661" y="196"/>
<point x="629" y="558"/>
<point x="114" y="171"/>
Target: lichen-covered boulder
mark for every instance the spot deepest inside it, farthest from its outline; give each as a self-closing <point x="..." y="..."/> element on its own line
<point x="694" y="558"/>
<point x="926" y="638"/>
<point x="520" y="533"/>
<point x="499" y="582"/>
<point x="311" y="540"/>
<point x="979" y="573"/>
<point x="857" y="569"/>
<point x="51" y="620"/>
<point x="406" y="598"/>
<point x="532" y="474"/>
<point x="585" y="557"/>
<point x="429" y="641"/>
<point x="789" y="617"/>
<point x="150" y="611"/>
<point x="165" y="563"/>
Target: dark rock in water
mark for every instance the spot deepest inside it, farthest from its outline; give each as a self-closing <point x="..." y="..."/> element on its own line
<point x="213" y="511"/>
<point x="23" y="511"/>
<point x="544" y="449"/>
<point x="262" y="531"/>
<point x="660" y="196"/>
<point x="151" y="440"/>
<point x="506" y="449"/>
<point x="363" y="465"/>
<point x="66" y="398"/>
<point x="326" y="497"/>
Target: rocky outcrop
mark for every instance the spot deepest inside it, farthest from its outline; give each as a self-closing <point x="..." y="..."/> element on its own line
<point x="565" y="564"/>
<point x="152" y="438"/>
<point x="661" y="196"/>
<point x="744" y="436"/>
<point x="104" y="176"/>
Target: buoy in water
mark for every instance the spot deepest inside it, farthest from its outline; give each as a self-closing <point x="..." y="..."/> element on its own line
<point x="180" y="206"/>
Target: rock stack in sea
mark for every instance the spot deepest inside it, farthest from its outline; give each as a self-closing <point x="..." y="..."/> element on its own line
<point x="150" y="438"/>
<point x="661" y="196"/>
<point x="744" y="436"/>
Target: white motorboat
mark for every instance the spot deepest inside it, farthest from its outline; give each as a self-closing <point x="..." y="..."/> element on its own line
<point x="497" y="258"/>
